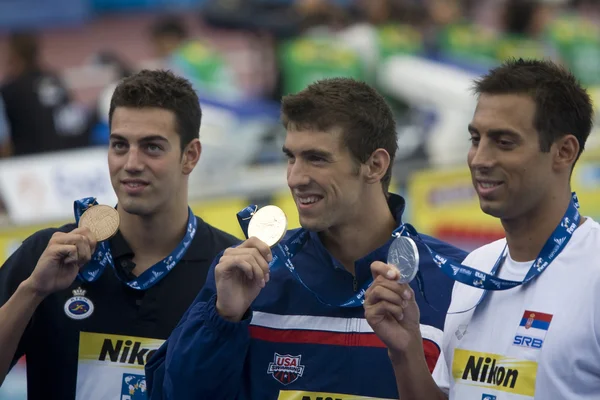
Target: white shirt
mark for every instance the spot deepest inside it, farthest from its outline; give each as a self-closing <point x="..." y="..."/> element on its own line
<point x="541" y="340"/>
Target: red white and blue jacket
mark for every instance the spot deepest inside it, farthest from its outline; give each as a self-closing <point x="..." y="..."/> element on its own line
<point x="290" y="346"/>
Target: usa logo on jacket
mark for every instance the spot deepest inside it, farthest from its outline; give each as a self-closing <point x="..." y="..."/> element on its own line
<point x="286" y="368"/>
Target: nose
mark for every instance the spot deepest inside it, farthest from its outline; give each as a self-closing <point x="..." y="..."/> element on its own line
<point x="134" y="162"/>
<point x="297" y="174"/>
<point x="482" y="157"/>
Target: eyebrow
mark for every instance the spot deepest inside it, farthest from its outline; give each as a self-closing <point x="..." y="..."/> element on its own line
<point x="151" y="138"/>
<point x="496" y="132"/>
<point x="308" y="153"/>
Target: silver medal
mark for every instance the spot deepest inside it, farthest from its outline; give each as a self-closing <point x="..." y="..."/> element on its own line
<point x="404" y="255"/>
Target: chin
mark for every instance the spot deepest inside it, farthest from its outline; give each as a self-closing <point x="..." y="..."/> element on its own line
<point x="493" y="209"/>
<point x="312" y="225"/>
<point x="136" y="208"/>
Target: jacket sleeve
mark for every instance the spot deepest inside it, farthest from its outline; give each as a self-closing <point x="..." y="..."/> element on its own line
<point x="204" y="356"/>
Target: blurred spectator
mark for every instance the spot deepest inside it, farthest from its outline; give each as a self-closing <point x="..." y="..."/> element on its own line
<point x="108" y="59"/>
<point x="320" y="16"/>
<point x="167" y="35"/>
<point x="41" y="116"/>
<point x="120" y="69"/>
<point x="528" y="17"/>
<point x="193" y="58"/>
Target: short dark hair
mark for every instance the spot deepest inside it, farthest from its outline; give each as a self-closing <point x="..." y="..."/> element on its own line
<point x="366" y="120"/>
<point x="26" y="46"/>
<point x="161" y="89"/>
<point x="563" y="106"/>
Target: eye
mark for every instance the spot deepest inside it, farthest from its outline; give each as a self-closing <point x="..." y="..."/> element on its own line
<point x="315" y="159"/>
<point x="506" y="143"/>
<point x="119" y="146"/>
<point x="290" y="158"/>
<point x="474" y="140"/>
<point x="153" y="148"/>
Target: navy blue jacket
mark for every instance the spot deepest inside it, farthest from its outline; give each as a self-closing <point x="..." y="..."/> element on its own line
<point x="290" y="345"/>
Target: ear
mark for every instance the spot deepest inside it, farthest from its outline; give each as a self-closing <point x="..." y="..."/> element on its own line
<point x="190" y="156"/>
<point x="376" y="166"/>
<point x="566" y="150"/>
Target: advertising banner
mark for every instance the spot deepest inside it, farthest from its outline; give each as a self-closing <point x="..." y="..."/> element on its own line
<point x="445" y="205"/>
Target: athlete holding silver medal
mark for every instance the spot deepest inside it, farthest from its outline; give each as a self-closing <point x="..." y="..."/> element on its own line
<point x="524" y="320"/>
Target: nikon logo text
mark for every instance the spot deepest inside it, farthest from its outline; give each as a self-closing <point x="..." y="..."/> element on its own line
<point x="494" y="371"/>
<point x="124" y="352"/>
<point x="485" y="370"/>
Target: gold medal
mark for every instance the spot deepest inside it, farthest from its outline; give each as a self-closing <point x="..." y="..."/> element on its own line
<point x="102" y="220"/>
<point x="269" y="224"/>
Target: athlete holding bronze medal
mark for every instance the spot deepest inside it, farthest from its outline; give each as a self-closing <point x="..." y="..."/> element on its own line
<point x="88" y="303"/>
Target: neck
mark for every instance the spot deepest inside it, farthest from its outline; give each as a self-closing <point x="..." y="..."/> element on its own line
<point x="527" y="234"/>
<point x="370" y="229"/>
<point x="152" y="237"/>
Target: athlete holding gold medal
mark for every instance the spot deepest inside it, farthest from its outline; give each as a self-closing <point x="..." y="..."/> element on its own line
<point x="282" y="314"/>
<point x="88" y="303"/>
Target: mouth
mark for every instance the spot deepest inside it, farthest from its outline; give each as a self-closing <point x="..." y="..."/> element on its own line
<point x="487" y="187"/>
<point x="307" y="201"/>
<point x="134" y="186"/>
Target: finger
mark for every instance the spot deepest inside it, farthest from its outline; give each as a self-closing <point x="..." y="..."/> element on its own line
<point x="56" y="237"/>
<point x="229" y="264"/>
<point x="259" y="276"/>
<point x="87" y="233"/>
<point x="256" y="272"/>
<point x="382" y="293"/>
<point x="84" y="252"/>
<point x="402" y="289"/>
<point x="379" y="268"/>
<point x="249" y="266"/>
<point x="81" y="241"/>
<point x="406" y="292"/>
<point x="66" y="252"/>
<point x="383" y="309"/>
<point x="256" y="255"/>
<point x="379" y="281"/>
<point x="70" y="238"/>
<point x="262" y="263"/>
<point x="261" y="246"/>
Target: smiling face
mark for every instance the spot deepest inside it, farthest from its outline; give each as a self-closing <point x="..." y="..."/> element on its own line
<point x="324" y="179"/>
<point x="147" y="168"/>
<point x="510" y="173"/>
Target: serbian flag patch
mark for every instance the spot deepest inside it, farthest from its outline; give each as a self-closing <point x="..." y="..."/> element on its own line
<point x="532" y="329"/>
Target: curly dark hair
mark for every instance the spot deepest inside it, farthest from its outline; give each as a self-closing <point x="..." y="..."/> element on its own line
<point x="161" y="89"/>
